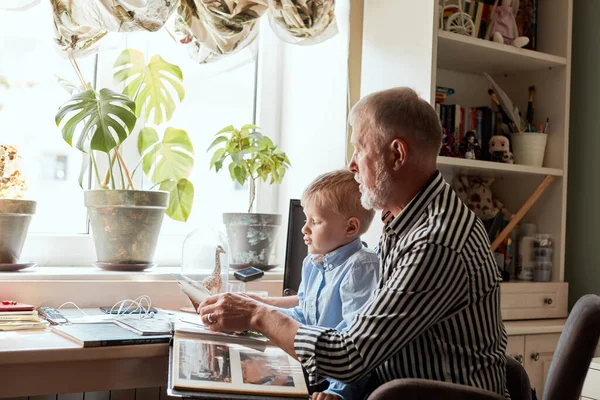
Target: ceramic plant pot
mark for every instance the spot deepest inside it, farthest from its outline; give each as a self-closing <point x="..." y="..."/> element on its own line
<point x="252" y="238"/>
<point x="126" y="224"/>
<point x="15" y="216"/>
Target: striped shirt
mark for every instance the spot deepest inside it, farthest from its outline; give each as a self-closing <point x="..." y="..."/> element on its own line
<point x="436" y="312"/>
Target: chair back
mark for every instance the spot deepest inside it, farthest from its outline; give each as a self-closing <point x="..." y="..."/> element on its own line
<point x="575" y="351"/>
<point x="517" y="380"/>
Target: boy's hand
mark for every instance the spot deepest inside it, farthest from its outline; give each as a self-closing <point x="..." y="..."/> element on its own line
<point x="325" y="396"/>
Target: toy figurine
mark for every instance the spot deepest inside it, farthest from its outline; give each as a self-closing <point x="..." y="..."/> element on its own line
<point x="500" y="149"/>
<point x="503" y="27"/>
<point x="448" y="148"/>
<point x="469" y="147"/>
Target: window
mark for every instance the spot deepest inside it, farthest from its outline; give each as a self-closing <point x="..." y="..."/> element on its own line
<point x="216" y="96"/>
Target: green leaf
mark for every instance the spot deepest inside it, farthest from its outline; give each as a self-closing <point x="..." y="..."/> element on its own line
<point x="181" y="199"/>
<point x="107" y="118"/>
<point x="237" y="158"/>
<point x="232" y="168"/>
<point x="216" y="157"/>
<point x="85" y="162"/>
<point x="151" y="85"/>
<point x="227" y="129"/>
<point x="146" y="139"/>
<point x="215" y="142"/>
<point x="170" y="159"/>
<point x="238" y="174"/>
<point x="71" y="88"/>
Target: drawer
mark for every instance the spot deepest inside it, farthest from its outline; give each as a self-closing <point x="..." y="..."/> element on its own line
<point x="591" y="385"/>
<point x="533" y="300"/>
<point x="516" y="347"/>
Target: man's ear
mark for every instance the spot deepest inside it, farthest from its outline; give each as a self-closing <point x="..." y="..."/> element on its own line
<point x="353" y="226"/>
<point x="399" y="149"/>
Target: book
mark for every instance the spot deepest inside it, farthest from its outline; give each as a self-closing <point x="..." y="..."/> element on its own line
<point x="105" y="334"/>
<point x="208" y="367"/>
<point x="145" y="326"/>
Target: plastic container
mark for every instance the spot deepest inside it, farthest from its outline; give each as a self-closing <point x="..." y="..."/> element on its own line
<point x="542" y="272"/>
<point x="528" y="148"/>
<point x="527" y="253"/>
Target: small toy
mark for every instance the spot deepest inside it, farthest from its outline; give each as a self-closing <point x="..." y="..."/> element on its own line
<point x="503" y="27"/>
<point x="476" y="193"/>
<point x="470" y="148"/>
<point x="499" y="147"/>
<point x="214" y="282"/>
<point x="448" y="148"/>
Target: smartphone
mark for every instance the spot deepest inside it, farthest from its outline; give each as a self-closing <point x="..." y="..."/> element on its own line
<point x="248" y="274"/>
<point x="124" y="310"/>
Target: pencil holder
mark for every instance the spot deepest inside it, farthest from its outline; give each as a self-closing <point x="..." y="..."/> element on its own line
<point x="529" y="148"/>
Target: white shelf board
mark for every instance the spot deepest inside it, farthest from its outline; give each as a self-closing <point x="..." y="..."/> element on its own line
<point x="488" y="168"/>
<point x="473" y="55"/>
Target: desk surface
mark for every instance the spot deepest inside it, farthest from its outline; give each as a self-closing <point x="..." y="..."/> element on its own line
<point x="34" y="346"/>
<point x="17" y="347"/>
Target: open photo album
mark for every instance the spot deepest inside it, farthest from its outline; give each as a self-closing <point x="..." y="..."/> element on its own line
<point x="210" y="366"/>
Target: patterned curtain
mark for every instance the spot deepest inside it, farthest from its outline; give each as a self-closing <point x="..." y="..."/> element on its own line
<point x="211" y="29"/>
<point x="80" y="24"/>
<point x="303" y="21"/>
<point x="215" y="28"/>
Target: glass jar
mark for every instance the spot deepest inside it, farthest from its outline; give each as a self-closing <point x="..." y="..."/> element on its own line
<point x="205" y="258"/>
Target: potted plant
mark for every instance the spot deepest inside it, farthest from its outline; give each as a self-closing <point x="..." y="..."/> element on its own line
<point x="252" y="156"/>
<point x="15" y="212"/>
<point x="125" y="221"/>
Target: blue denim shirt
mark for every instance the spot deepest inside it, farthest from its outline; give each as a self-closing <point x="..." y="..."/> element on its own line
<point x="332" y="291"/>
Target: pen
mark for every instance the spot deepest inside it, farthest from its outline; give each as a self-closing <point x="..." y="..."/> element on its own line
<point x="546" y="126"/>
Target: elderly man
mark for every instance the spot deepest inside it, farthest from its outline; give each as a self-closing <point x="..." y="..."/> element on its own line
<point x="436" y="312"/>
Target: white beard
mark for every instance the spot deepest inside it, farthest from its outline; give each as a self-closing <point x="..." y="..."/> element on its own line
<point x="375" y="198"/>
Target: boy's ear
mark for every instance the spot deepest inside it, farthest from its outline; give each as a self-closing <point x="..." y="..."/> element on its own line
<point x="353" y="226"/>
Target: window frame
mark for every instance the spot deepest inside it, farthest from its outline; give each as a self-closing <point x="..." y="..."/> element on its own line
<point x="77" y="250"/>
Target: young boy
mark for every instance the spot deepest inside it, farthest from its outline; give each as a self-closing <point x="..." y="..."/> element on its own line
<point x="339" y="275"/>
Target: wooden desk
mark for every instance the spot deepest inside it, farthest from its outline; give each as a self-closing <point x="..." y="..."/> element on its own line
<point x="44" y="363"/>
<point x="39" y="363"/>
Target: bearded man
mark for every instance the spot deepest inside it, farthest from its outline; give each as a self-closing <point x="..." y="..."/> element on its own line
<point x="436" y="312"/>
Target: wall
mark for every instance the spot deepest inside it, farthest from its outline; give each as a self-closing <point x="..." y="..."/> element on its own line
<point x="313" y="116"/>
<point x="582" y="269"/>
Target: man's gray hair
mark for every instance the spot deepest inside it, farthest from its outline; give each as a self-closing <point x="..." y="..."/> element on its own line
<point x="399" y="113"/>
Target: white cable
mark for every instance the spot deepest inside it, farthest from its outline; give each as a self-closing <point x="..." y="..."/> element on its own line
<point x="76" y="306"/>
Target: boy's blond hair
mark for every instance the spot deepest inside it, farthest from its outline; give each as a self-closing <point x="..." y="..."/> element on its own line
<point x="339" y="192"/>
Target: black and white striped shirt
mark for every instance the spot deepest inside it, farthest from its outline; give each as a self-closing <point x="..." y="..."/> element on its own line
<point x="436" y="312"/>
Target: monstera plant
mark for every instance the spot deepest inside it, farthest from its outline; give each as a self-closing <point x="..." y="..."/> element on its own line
<point x="125" y="221"/>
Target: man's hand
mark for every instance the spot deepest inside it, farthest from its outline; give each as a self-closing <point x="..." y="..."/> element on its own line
<point x="230" y="312"/>
<point x="325" y="396"/>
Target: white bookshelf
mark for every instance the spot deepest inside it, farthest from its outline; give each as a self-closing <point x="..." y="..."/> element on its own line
<point x="403" y="46"/>
<point x="492" y="57"/>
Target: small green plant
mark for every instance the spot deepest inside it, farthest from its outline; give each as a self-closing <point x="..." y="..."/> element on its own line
<point x="253" y="156"/>
<point x="101" y="120"/>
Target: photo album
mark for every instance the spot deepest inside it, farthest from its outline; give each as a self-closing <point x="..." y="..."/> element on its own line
<point x="215" y="366"/>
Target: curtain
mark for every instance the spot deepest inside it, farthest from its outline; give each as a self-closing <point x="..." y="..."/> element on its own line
<point x="210" y="29"/>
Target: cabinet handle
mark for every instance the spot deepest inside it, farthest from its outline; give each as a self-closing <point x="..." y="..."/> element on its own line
<point x="548" y="301"/>
<point x="535" y="356"/>
<point x="519" y="358"/>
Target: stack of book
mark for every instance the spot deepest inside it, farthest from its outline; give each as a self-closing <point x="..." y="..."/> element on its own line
<point x="16" y="316"/>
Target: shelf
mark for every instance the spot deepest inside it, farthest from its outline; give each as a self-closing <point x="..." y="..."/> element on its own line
<point x="472" y="55"/>
<point x="491" y="169"/>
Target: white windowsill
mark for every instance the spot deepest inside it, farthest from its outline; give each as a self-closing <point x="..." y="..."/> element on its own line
<point x="90" y="273"/>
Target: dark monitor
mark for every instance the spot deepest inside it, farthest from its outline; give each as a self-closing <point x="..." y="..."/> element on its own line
<point x="296" y="250"/>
